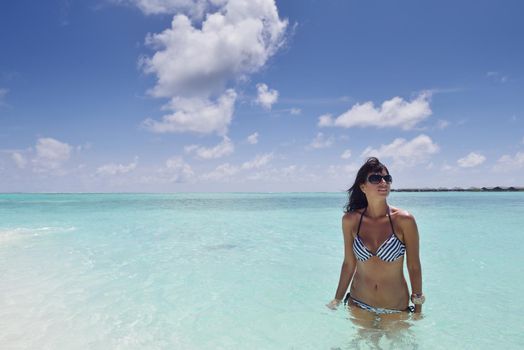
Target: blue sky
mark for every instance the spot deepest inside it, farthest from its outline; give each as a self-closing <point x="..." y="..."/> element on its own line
<point x="231" y="95"/>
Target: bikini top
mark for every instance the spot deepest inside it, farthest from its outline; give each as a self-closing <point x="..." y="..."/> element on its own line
<point x="390" y="250"/>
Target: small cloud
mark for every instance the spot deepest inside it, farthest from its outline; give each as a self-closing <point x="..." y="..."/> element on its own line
<point x="471" y="160"/>
<point x="195" y="9"/>
<point x="223" y="149"/>
<point x="442" y="124"/>
<point x="320" y="141"/>
<point x="196" y="114"/>
<point x="266" y="98"/>
<point x="395" y="112"/>
<point x="19" y="160"/>
<point x="3" y="94"/>
<point x="405" y="153"/>
<point x="178" y="170"/>
<point x="258" y="161"/>
<point x="448" y="168"/>
<point x="253" y="138"/>
<point x="344" y="171"/>
<point x="497" y="77"/>
<point x="221" y="172"/>
<point x="509" y="163"/>
<point x="50" y="154"/>
<point x="85" y="146"/>
<point x="295" y="111"/>
<point x="117" y="169"/>
<point x="346" y="154"/>
<point x="325" y="120"/>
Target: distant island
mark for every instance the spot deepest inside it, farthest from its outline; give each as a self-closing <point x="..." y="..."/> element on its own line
<point x="458" y="189"/>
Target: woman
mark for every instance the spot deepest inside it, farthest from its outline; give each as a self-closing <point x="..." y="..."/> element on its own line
<point x="376" y="238"/>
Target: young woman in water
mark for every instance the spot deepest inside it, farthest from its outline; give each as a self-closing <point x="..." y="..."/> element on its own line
<point x="376" y="238"/>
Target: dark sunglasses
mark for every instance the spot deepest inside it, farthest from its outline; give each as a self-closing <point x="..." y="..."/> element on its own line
<point x="376" y="179"/>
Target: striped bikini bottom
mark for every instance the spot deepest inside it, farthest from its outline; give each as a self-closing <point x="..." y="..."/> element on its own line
<point x="377" y="310"/>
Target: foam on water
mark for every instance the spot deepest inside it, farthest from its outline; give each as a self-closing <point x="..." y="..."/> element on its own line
<point x="229" y="271"/>
<point x="12" y="234"/>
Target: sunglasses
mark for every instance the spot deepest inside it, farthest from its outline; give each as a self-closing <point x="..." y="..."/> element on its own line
<point x="376" y="179"/>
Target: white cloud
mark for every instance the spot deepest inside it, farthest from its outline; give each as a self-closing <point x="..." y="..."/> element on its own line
<point x="325" y="120"/>
<point x="221" y="172"/>
<point x="471" y="160"/>
<point x="177" y="170"/>
<point x="266" y="98"/>
<point x="193" y="64"/>
<point x="19" y="160"/>
<point x="196" y="115"/>
<point x="295" y="111"/>
<point x="497" y="77"/>
<point x="346" y="171"/>
<point x="50" y="154"/>
<point x="392" y="113"/>
<point x="117" y="169"/>
<point x="286" y="174"/>
<point x="448" y="168"/>
<point x="258" y="161"/>
<point x="405" y="153"/>
<point x="231" y="43"/>
<point x="223" y="149"/>
<point x="3" y="94"/>
<point x="253" y="138"/>
<point x="442" y="124"/>
<point x="510" y="163"/>
<point x="85" y="146"/>
<point x="226" y="171"/>
<point x="346" y="154"/>
<point x="320" y="141"/>
<point x="193" y="8"/>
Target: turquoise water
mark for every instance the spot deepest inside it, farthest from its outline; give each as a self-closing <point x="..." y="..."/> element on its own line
<point x="244" y="271"/>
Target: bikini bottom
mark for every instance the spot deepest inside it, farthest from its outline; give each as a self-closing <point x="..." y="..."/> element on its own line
<point x="377" y="310"/>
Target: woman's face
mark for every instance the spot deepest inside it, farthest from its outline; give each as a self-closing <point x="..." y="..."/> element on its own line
<point x="379" y="190"/>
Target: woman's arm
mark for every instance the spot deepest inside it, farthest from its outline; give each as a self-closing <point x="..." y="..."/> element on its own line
<point x="348" y="265"/>
<point x="411" y="240"/>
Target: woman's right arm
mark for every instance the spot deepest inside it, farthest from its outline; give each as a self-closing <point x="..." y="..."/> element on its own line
<point x="349" y="263"/>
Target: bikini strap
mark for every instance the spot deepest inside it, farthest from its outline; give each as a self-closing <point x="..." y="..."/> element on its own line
<point x="360" y="222"/>
<point x="391" y="222"/>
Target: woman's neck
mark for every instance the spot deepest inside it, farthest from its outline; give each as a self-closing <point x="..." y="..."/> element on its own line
<point x="377" y="209"/>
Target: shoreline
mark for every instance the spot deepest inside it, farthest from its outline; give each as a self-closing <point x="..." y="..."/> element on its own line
<point x="458" y="189"/>
<point x="426" y="189"/>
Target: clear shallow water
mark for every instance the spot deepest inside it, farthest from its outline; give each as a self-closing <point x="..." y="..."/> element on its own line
<point x="230" y="271"/>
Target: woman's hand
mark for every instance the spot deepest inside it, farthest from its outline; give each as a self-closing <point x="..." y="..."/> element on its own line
<point x="333" y="304"/>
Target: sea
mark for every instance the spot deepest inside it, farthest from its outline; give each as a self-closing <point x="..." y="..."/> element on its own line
<point x="246" y="271"/>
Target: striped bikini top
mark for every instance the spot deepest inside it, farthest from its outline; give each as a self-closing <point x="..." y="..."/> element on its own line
<point x="391" y="250"/>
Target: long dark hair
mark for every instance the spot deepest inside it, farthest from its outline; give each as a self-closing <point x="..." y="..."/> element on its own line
<point x="357" y="198"/>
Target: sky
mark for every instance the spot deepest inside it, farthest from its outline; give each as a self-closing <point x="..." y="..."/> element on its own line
<point x="259" y="95"/>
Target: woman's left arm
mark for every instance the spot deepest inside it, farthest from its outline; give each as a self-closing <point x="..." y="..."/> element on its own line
<point x="411" y="240"/>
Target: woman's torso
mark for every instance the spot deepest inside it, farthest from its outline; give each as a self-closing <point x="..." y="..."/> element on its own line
<point x="379" y="279"/>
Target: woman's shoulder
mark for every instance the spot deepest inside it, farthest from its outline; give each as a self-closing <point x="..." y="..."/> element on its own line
<point x="352" y="215"/>
<point x="401" y="215"/>
<point x="350" y="222"/>
<point x="351" y="218"/>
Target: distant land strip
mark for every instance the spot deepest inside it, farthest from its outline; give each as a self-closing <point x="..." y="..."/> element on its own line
<point x="458" y="189"/>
